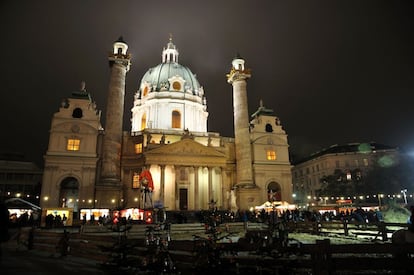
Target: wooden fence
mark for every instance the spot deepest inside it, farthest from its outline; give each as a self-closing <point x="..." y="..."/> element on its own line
<point x="321" y="257"/>
<point x="374" y="230"/>
<point x="327" y="258"/>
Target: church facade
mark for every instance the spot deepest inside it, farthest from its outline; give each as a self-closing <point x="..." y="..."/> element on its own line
<point x="91" y="166"/>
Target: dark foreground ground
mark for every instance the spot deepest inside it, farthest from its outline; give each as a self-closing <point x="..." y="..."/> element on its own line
<point x="16" y="260"/>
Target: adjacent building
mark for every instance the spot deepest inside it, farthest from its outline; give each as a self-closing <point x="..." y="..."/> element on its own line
<point x="19" y="178"/>
<point x="347" y="158"/>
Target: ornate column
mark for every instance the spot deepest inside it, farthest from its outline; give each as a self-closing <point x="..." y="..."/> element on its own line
<point x="210" y="184"/>
<point x="119" y="61"/>
<point x="162" y="184"/>
<point x="177" y="193"/>
<point x="196" y="188"/>
<point x="238" y="78"/>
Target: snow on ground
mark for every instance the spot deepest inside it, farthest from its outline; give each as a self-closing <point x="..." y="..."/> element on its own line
<point x="334" y="238"/>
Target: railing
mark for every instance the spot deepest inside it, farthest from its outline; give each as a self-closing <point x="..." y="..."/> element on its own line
<point x="322" y="257"/>
<point x="327" y="258"/>
<point x="374" y="230"/>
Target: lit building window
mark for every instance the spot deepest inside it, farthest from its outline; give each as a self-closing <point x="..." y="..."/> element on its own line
<point x="145" y="92"/>
<point x="135" y="181"/>
<point x="365" y="162"/>
<point x="271" y="154"/>
<point x="348" y="175"/>
<point x="143" y="121"/>
<point x="138" y="148"/>
<point x="73" y="144"/>
<point x="176" y="119"/>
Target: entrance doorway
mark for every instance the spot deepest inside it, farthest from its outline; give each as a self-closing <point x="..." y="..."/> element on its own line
<point x="183" y="198"/>
<point x="274" y="192"/>
<point x="69" y="193"/>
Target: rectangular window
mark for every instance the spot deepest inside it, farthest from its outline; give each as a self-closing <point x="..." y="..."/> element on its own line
<point x="337" y="163"/>
<point x="365" y="162"/>
<point x="271" y="155"/>
<point x="135" y="181"/>
<point x="183" y="174"/>
<point x="138" y="148"/>
<point x="73" y="144"/>
<point x="356" y="163"/>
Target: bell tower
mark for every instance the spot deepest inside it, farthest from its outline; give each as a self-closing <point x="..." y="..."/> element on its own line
<point x="109" y="187"/>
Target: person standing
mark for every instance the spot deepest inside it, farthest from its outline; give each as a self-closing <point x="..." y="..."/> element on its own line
<point x="410" y="220"/>
<point x="4" y="225"/>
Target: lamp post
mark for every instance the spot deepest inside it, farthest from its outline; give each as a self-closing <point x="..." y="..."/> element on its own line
<point x="404" y="192"/>
<point x="379" y="200"/>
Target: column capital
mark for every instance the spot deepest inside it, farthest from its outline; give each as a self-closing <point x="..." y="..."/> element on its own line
<point x="124" y="60"/>
<point x="238" y="75"/>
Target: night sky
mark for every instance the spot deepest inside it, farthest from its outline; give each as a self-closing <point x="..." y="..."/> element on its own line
<point x="334" y="72"/>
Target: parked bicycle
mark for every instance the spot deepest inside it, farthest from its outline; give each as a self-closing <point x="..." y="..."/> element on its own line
<point x="158" y="258"/>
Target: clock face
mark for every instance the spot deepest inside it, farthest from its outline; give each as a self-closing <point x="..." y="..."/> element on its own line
<point x="176" y="85"/>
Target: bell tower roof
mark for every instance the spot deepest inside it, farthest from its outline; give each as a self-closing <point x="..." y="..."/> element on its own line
<point x="262" y="110"/>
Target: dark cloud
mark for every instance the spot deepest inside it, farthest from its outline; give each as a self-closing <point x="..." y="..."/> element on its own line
<point x="333" y="71"/>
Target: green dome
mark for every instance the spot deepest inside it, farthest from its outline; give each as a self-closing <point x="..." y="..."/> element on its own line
<point x="158" y="77"/>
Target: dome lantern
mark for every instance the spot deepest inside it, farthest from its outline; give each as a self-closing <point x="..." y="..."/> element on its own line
<point x="238" y="63"/>
<point x="170" y="54"/>
<point x="120" y="47"/>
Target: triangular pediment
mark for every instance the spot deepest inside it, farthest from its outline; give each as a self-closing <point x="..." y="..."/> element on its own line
<point x="185" y="151"/>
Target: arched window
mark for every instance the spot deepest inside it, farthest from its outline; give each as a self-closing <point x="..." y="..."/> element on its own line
<point x="176" y="119"/>
<point x="143" y="121"/>
<point x="274" y="192"/>
<point x="145" y="91"/>
<point x="77" y="113"/>
<point x="269" y="128"/>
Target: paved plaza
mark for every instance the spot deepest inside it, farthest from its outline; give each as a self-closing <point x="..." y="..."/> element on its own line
<point x="19" y="260"/>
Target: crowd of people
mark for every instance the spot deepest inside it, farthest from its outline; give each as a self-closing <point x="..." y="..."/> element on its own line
<point x="350" y="214"/>
<point x="53" y="221"/>
<point x="298" y="215"/>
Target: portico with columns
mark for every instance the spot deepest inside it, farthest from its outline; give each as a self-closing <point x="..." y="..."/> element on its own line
<point x="187" y="176"/>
